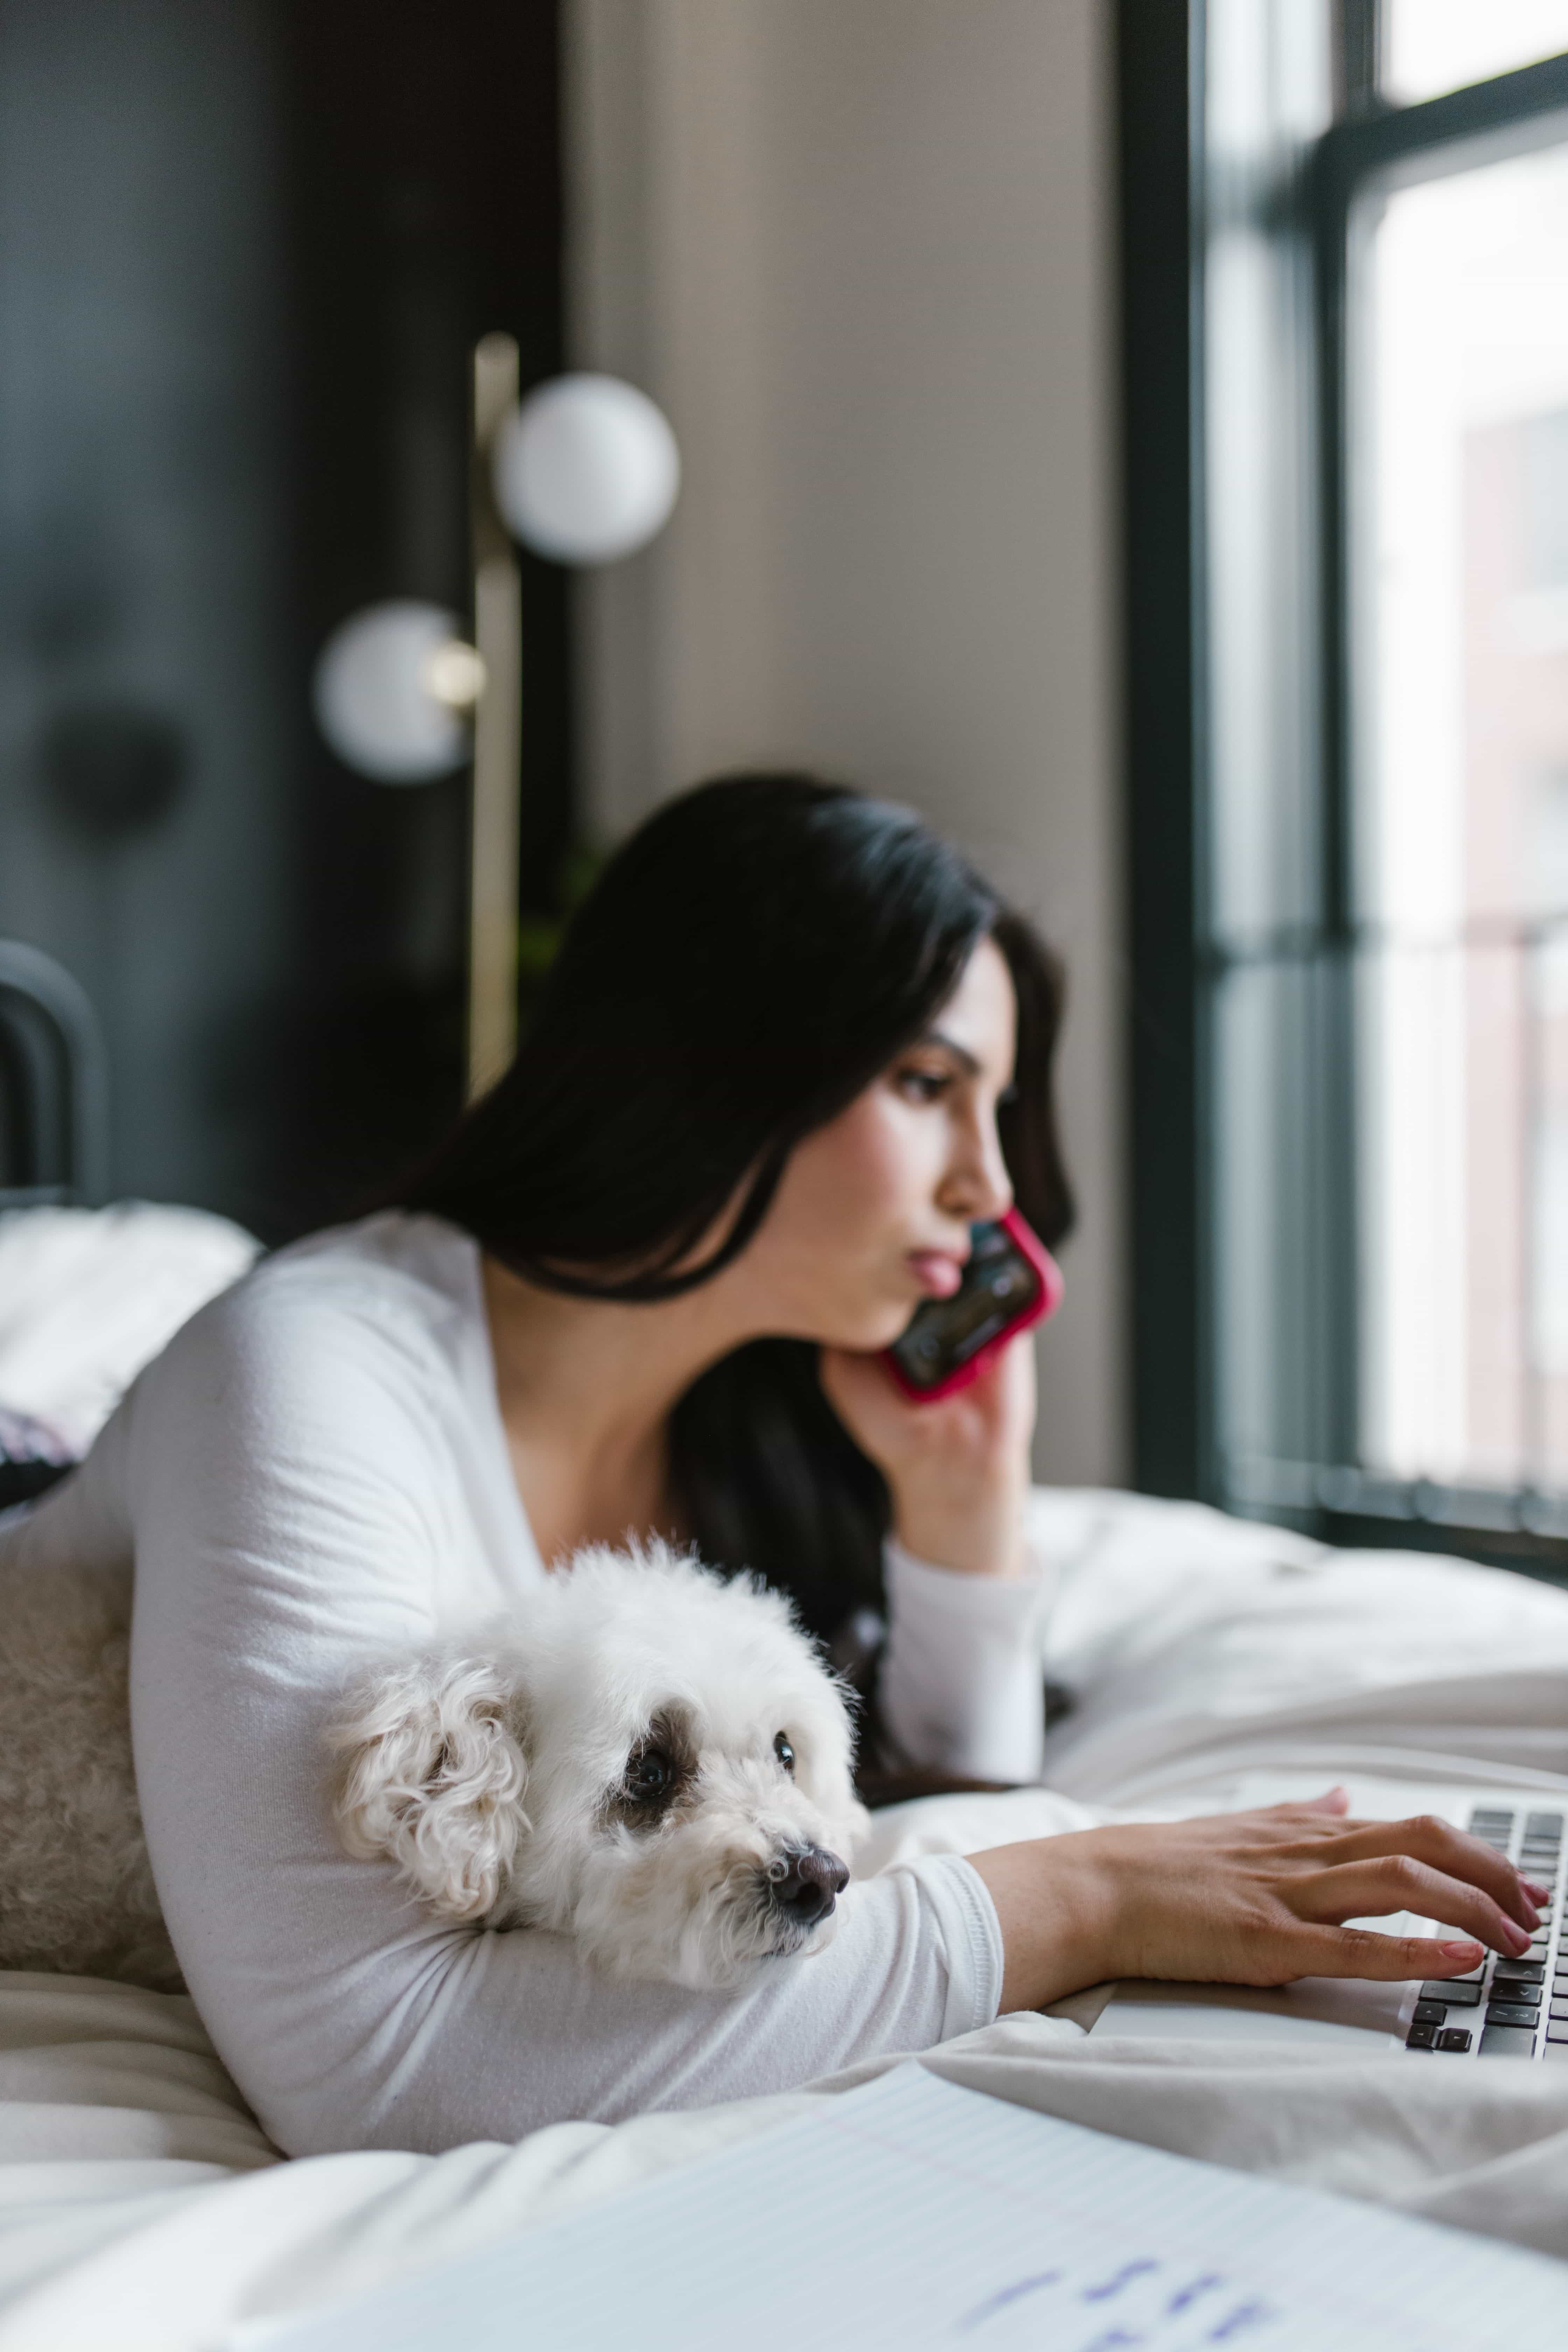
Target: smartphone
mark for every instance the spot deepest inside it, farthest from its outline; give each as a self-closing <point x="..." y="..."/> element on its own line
<point x="1010" y="1281"/>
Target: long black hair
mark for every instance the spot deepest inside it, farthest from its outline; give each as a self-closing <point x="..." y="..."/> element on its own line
<point x="747" y="962"/>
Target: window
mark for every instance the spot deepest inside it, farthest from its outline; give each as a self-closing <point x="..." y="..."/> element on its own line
<point x="1432" y="45"/>
<point x="1351" y="1059"/>
<point x="1460" y="660"/>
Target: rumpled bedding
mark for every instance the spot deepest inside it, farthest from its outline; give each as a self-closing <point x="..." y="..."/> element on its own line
<point x="142" y="2206"/>
<point x="88" y="1296"/>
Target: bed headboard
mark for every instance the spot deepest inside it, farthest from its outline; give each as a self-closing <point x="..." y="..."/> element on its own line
<point x="54" y="1083"/>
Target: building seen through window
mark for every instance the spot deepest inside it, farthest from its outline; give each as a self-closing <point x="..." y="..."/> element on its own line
<point x="1462" y="845"/>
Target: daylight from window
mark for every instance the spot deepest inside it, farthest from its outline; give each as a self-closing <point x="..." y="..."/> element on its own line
<point x="1431" y="46"/>
<point x="1463" y="768"/>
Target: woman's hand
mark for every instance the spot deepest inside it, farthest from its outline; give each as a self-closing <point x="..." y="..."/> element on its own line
<point x="958" y="1469"/>
<point x="1249" y="1898"/>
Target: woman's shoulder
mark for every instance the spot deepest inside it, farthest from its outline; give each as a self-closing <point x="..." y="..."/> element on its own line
<point x="391" y="1296"/>
<point x="398" y="1263"/>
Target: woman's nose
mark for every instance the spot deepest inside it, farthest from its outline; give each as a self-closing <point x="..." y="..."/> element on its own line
<point x="977" y="1185"/>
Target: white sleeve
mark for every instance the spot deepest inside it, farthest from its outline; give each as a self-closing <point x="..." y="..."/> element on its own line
<point x="291" y="1519"/>
<point x="961" y="1688"/>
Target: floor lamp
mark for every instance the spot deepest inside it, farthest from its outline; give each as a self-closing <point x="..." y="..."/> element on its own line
<point x="585" y="471"/>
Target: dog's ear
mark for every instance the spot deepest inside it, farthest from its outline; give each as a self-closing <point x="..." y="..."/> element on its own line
<point x="432" y="1777"/>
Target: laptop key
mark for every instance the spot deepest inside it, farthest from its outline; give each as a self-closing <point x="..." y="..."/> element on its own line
<point x="1507" y="2012"/>
<point x="1421" y="2037"/>
<point x="1520" y="1972"/>
<point x="1430" y="2012"/>
<point x="1508" y="2041"/>
<point x="1453" y="2037"/>
<point x="1543" y="1825"/>
<point x="1460" y="1992"/>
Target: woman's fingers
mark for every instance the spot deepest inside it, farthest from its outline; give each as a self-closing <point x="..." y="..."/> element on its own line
<point x="1361" y="1952"/>
<point x="1430" y="1839"/>
<point x="1385" y="1882"/>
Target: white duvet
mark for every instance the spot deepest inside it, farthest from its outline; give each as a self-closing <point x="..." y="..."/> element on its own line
<point x="140" y="2205"/>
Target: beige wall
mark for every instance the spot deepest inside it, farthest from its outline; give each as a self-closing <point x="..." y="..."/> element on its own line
<point x="859" y="250"/>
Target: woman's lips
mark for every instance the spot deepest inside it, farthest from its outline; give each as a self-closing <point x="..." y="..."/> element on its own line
<point x="938" y="1274"/>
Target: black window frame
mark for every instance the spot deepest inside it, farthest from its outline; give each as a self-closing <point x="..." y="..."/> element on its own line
<point x="1175" y="961"/>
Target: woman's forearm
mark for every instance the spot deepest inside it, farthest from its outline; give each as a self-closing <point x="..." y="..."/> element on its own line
<point x="960" y="1689"/>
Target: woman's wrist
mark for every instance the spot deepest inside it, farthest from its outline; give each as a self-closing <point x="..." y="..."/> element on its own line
<point x="1055" y="1919"/>
<point x="973" y="1535"/>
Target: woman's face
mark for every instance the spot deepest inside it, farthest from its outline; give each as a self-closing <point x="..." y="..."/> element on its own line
<point x="874" y="1210"/>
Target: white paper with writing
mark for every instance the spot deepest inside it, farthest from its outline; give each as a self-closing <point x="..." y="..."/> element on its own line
<point x="912" y="2213"/>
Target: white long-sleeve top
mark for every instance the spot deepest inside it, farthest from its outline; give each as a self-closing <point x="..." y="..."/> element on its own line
<point x="314" y="1471"/>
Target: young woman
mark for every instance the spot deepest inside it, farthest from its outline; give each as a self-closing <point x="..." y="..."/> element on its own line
<point x="792" y="1049"/>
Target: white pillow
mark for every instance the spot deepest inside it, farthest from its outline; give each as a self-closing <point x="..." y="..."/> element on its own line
<point x="88" y="1296"/>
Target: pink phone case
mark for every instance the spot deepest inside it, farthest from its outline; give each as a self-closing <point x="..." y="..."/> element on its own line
<point x="1048" y="1300"/>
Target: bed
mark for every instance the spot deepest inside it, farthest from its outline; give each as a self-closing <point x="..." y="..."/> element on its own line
<point x="88" y="1295"/>
<point x="141" y="2205"/>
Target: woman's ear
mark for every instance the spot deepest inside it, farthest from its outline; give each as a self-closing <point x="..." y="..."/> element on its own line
<point x="432" y="1777"/>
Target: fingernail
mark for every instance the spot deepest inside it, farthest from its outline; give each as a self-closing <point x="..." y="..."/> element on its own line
<point x="1519" y="1937"/>
<point x="1536" y="1892"/>
<point x="1468" y="1953"/>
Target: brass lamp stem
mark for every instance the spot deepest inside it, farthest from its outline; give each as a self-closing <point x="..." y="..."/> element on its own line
<point x="498" y="733"/>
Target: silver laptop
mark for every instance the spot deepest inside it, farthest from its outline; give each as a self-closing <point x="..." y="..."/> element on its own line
<point x="1510" y="2008"/>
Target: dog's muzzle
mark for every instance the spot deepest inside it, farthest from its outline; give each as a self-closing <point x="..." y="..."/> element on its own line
<point x="805" y="1883"/>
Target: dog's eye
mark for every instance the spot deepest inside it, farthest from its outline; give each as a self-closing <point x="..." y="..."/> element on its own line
<point x="649" y="1775"/>
<point x="785" y="1752"/>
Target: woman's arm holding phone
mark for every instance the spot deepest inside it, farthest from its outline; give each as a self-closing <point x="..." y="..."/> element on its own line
<point x="961" y="1686"/>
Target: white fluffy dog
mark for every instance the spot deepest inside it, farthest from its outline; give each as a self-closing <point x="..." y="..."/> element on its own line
<point x="644" y="1757"/>
<point x="641" y="1756"/>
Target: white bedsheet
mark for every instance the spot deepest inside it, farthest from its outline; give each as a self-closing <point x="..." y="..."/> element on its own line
<point x="140" y="2205"/>
<point x="142" y="2210"/>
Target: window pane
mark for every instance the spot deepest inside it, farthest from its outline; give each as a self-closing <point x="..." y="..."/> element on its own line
<point x="1430" y="45"/>
<point x="1463" y="846"/>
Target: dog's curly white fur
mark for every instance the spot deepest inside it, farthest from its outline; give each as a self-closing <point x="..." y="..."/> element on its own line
<point x="644" y="1757"/>
<point x="496" y="1776"/>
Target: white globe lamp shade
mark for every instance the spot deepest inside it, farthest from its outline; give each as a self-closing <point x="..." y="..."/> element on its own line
<point x="586" y="469"/>
<point x="393" y="687"/>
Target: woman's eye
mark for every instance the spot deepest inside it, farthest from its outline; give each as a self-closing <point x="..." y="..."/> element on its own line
<point x="924" y="1086"/>
<point x="785" y="1752"/>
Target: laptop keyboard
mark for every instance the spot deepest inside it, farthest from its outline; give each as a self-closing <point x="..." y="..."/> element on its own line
<point x="1508" y="2009"/>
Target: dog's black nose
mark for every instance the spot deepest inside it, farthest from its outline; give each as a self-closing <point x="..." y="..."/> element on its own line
<point x="809" y="1884"/>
